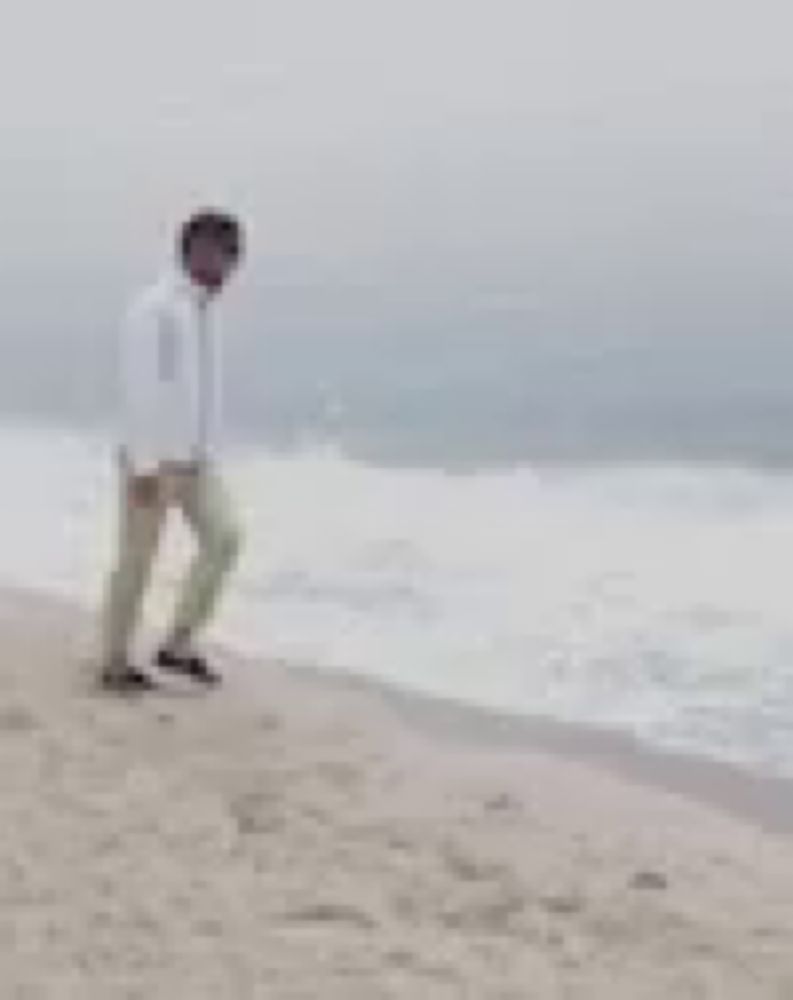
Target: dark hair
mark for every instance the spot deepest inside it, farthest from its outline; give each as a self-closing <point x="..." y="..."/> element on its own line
<point x="213" y="225"/>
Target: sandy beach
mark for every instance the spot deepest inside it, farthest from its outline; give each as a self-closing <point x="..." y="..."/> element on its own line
<point x="297" y="836"/>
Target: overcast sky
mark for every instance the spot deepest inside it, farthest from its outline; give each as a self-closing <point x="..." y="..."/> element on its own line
<point x="580" y="166"/>
<point x="372" y="130"/>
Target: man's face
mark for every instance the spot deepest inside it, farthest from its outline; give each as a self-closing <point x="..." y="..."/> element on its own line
<point x="209" y="263"/>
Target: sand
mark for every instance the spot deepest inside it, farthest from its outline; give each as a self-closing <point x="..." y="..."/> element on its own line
<point x="300" y="837"/>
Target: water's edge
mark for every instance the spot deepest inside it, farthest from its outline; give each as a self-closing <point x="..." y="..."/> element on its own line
<point x="763" y="801"/>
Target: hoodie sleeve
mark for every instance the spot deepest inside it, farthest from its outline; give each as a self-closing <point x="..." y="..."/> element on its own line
<point x="141" y="388"/>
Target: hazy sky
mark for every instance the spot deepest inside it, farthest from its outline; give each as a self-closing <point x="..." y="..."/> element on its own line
<point x="371" y="130"/>
<point x="577" y="167"/>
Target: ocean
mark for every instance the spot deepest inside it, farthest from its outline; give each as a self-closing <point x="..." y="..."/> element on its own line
<point x="509" y="361"/>
<point x="646" y="596"/>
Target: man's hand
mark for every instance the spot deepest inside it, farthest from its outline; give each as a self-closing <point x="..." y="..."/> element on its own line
<point x="145" y="490"/>
<point x="181" y="471"/>
<point x="188" y="469"/>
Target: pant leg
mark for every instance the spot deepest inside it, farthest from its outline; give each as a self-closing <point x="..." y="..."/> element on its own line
<point x="206" y="505"/>
<point x="139" y="534"/>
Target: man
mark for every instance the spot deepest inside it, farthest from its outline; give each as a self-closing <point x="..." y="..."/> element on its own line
<point x="170" y="388"/>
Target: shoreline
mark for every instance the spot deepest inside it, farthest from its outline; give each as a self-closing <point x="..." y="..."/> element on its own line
<point x="765" y="801"/>
<point x="297" y="834"/>
<point x="734" y="790"/>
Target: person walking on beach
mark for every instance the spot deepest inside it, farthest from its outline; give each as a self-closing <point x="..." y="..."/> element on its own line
<point x="170" y="396"/>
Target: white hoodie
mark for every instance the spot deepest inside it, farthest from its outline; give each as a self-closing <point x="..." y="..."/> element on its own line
<point x="170" y="377"/>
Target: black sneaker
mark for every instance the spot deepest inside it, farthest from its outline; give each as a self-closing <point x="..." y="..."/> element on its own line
<point x="192" y="666"/>
<point x="126" y="680"/>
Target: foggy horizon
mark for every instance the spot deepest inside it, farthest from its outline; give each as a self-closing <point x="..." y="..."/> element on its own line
<point x="551" y="213"/>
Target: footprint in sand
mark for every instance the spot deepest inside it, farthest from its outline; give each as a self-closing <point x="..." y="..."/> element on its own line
<point x="343" y="776"/>
<point x="331" y="913"/>
<point x="17" y="719"/>
<point x="270" y="723"/>
<point x="503" y="804"/>
<point x="468" y="868"/>
<point x="649" y="880"/>
<point x="563" y="905"/>
<point x="494" y="915"/>
<point x="256" y="812"/>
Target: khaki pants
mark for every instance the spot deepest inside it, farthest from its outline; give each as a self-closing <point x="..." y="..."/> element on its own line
<point x="202" y="498"/>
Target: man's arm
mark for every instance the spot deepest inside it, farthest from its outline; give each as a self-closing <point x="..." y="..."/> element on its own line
<point x="141" y="388"/>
